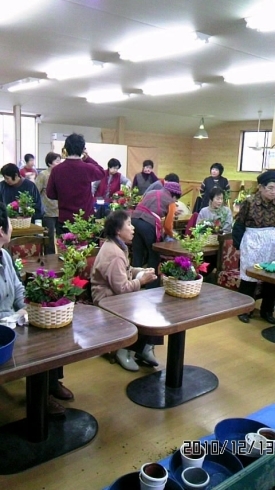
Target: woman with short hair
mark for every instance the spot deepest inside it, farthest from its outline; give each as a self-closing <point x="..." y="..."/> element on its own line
<point x="112" y="274"/>
<point x="214" y="180"/>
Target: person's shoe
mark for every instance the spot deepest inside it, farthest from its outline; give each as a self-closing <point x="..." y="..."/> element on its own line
<point x="268" y="317"/>
<point x="245" y="318"/>
<point x="54" y="408"/>
<point x="61" y="392"/>
<point x="148" y="355"/>
<point x="125" y="358"/>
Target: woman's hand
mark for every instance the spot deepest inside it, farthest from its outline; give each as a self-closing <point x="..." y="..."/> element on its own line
<point x="147" y="277"/>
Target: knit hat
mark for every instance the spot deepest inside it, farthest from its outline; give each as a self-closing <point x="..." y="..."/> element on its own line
<point x="173" y="187"/>
<point x="266" y="177"/>
<point x="218" y="166"/>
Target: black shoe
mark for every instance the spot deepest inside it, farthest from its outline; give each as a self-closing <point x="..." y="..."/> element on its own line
<point x="244" y="318"/>
<point x="268" y="317"/>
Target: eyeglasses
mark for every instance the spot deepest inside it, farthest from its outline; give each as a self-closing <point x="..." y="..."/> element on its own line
<point x="270" y="189"/>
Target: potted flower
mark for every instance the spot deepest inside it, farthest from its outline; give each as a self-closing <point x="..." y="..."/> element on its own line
<point x="243" y="194"/>
<point x="125" y="198"/>
<point x="50" y="299"/>
<point x="181" y="277"/>
<point x="81" y="232"/>
<point x="213" y="227"/>
<point x="21" y="210"/>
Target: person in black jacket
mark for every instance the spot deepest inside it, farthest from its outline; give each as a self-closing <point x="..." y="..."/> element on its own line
<point x="214" y="180"/>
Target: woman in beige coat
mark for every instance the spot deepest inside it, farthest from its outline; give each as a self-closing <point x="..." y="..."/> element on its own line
<point x="112" y="274"/>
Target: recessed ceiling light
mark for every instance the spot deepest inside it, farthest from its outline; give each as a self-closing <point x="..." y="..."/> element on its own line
<point x="12" y="10"/>
<point x="170" y="86"/>
<point x="106" y="96"/>
<point x="73" y="68"/>
<point x="24" y="84"/>
<point x="251" y="74"/>
<point x="262" y="18"/>
<point x="162" y="44"/>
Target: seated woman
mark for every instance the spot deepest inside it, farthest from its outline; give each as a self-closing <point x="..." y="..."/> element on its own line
<point x="217" y="211"/>
<point x="112" y="274"/>
<point x="12" y="295"/>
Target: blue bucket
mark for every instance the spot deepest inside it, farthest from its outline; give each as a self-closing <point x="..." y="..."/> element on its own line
<point x="7" y="339"/>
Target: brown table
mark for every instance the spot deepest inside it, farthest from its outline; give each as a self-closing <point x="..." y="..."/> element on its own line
<point x="49" y="262"/>
<point x="37" y="438"/>
<point x="175" y="249"/>
<point x="32" y="230"/>
<point x="261" y="275"/>
<point x="156" y="313"/>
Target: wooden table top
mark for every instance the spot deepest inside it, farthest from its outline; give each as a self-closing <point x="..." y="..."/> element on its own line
<point x="32" y="230"/>
<point x="261" y="275"/>
<point x="156" y="313"/>
<point x="93" y="332"/>
<point x="175" y="249"/>
<point x="49" y="262"/>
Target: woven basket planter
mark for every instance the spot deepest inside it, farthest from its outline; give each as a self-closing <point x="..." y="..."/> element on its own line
<point x="212" y="240"/>
<point x="50" y="317"/>
<point x="21" y="222"/>
<point x="182" y="289"/>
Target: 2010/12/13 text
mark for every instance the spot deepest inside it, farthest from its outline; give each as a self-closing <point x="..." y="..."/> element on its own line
<point x="215" y="447"/>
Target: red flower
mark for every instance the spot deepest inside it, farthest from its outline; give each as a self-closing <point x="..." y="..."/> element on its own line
<point x="203" y="267"/>
<point x="80" y="283"/>
<point x="120" y="193"/>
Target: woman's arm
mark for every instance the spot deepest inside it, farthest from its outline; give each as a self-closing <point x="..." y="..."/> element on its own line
<point x="239" y="225"/>
<point x="125" y="181"/>
<point x="169" y="220"/>
<point x="227" y="227"/>
<point x="117" y="277"/>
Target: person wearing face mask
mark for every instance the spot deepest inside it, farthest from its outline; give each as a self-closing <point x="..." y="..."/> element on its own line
<point x="254" y="235"/>
<point x="145" y="178"/>
<point x="110" y="184"/>
<point x="214" y="180"/>
<point x="216" y="210"/>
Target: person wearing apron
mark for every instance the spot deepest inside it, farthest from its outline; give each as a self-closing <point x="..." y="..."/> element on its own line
<point x="254" y="235"/>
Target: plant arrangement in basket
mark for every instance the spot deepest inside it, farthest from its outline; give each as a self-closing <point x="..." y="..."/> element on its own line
<point x="125" y="198"/>
<point x="48" y="290"/>
<point x="215" y="225"/>
<point x="82" y="233"/>
<point x="22" y="207"/>
<point x="194" y="245"/>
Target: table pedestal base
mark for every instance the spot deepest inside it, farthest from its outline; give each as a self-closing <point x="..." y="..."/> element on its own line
<point x="269" y="334"/>
<point x="151" y="391"/>
<point x="75" y="429"/>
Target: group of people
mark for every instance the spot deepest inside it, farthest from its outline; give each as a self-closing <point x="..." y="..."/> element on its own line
<point x="253" y="230"/>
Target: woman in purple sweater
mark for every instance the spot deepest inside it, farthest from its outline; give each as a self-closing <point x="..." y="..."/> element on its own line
<point x="70" y="181"/>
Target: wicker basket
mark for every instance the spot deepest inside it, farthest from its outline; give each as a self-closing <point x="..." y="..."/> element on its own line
<point x="21" y="222"/>
<point x="182" y="289"/>
<point x="50" y="317"/>
<point x="212" y="240"/>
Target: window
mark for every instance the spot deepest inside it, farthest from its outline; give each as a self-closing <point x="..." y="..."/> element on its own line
<point x="7" y="137"/>
<point x="252" y="160"/>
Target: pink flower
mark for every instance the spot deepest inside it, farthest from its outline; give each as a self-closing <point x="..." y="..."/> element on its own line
<point x="14" y="205"/>
<point x="203" y="267"/>
<point x="80" y="283"/>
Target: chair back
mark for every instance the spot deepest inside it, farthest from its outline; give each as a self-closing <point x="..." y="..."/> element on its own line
<point x="228" y="257"/>
<point x="191" y="224"/>
<point x="27" y="246"/>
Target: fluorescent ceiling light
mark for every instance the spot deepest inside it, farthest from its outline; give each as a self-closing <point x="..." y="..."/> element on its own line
<point x="201" y="133"/>
<point x="73" y="68"/>
<point x="105" y="96"/>
<point x="251" y="74"/>
<point x="263" y="17"/>
<point x="24" y="84"/>
<point x="13" y="10"/>
<point x="170" y="86"/>
<point x="162" y="44"/>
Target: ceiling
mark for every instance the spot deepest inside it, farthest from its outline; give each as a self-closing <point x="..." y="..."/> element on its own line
<point x="60" y="29"/>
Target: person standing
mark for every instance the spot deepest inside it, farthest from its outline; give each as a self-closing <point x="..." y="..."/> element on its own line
<point x="50" y="217"/>
<point x="13" y="183"/>
<point x="70" y="181"/>
<point x="29" y="171"/>
<point x="111" y="182"/>
<point x="254" y="235"/>
<point x="214" y="180"/>
<point x="146" y="219"/>
<point x="145" y="178"/>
